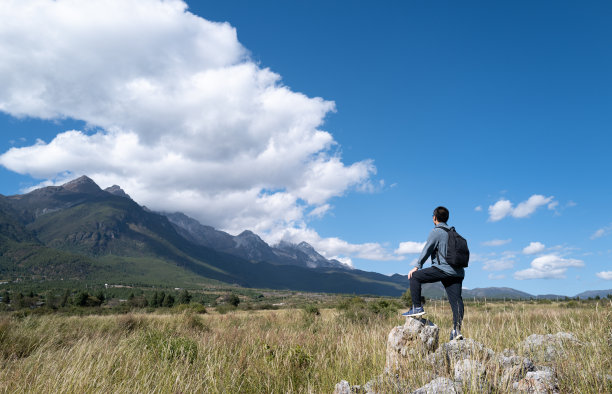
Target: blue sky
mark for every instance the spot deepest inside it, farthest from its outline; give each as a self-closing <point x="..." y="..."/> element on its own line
<point x="499" y="111"/>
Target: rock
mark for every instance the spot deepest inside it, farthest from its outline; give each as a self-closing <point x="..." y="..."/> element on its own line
<point x="452" y="352"/>
<point x="508" y="359"/>
<point x="385" y="383"/>
<point x="343" y="388"/>
<point x="470" y="373"/>
<point x="547" y="348"/>
<point x="439" y="386"/>
<point x="543" y="381"/>
<point x="417" y="336"/>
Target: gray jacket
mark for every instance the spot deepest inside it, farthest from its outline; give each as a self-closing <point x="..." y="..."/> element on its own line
<point x="438" y="238"/>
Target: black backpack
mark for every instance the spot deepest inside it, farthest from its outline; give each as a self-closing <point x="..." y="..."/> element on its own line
<point x="457" y="252"/>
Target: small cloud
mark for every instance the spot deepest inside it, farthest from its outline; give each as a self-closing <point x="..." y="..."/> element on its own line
<point x="553" y="205"/>
<point x="478" y="208"/>
<point x="570" y="204"/>
<point x="496" y="276"/>
<point x="607" y="275"/>
<point x="500" y="210"/>
<point x="534" y="247"/>
<point x="320" y="211"/>
<point x="503" y="208"/>
<point x="503" y="263"/>
<point x="550" y="266"/>
<point x="601" y="232"/>
<point x="409" y="248"/>
<point x="497" y="242"/>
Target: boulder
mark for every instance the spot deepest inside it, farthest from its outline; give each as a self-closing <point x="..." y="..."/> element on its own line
<point x="543" y="381"/>
<point x="454" y="351"/>
<point x="547" y="348"/>
<point x="345" y="388"/>
<point x="415" y="337"/>
<point x="471" y="374"/>
<point x="439" y="386"/>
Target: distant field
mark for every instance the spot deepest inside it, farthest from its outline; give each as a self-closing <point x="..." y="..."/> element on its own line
<point x="286" y="350"/>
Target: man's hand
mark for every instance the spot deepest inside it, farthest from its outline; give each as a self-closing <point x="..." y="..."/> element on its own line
<point x="412" y="271"/>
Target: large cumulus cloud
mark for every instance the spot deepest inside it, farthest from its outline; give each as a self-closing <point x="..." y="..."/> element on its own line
<point x="177" y="114"/>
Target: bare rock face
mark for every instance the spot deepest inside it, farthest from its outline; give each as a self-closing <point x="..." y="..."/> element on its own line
<point x="547" y="348"/>
<point x="440" y="386"/>
<point x="543" y="381"/>
<point x="416" y="336"/>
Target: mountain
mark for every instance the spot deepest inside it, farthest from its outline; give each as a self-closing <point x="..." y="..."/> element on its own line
<point x="594" y="293"/>
<point x="78" y="231"/>
<point x="107" y="237"/>
<point x="250" y="246"/>
<point x="495" y="292"/>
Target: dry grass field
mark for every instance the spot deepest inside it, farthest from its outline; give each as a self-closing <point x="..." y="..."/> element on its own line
<point x="274" y="351"/>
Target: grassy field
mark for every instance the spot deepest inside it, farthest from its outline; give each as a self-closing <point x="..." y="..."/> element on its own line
<point x="273" y="351"/>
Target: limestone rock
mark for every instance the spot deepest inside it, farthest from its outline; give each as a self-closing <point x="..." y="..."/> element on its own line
<point x="454" y="351"/>
<point x="509" y="359"/>
<point x="343" y="388"/>
<point x="440" y="386"/>
<point x="416" y="336"/>
<point x="543" y="381"/>
<point x="547" y="348"/>
<point x="470" y="373"/>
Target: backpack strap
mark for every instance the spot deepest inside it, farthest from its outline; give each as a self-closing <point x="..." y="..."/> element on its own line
<point x="437" y="251"/>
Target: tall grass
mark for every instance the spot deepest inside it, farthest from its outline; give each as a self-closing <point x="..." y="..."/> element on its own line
<point x="268" y="351"/>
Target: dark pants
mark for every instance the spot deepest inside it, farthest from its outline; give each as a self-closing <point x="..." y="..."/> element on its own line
<point x="452" y="285"/>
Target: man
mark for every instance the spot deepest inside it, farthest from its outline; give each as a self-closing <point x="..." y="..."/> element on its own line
<point x="440" y="271"/>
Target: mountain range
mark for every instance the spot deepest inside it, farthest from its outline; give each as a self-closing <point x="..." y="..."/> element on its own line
<point x="78" y="231"/>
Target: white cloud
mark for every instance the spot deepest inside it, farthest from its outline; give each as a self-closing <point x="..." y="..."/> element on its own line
<point x="410" y="247"/>
<point x="601" y="232"/>
<point x="496" y="276"/>
<point x="177" y="114"/>
<point x="506" y="261"/>
<point x="503" y="208"/>
<point x="534" y="247"/>
<point x="478" y="208"/>
<point x="550" y="266"/>
<point x="500" y="210"/>
<point x="497" y="242"/>
<point x="607" y="275"/>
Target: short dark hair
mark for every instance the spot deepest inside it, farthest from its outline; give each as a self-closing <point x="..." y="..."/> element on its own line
<point x="441" y="214"/>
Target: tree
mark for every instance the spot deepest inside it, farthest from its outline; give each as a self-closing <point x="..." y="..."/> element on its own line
<point x="81" y="298"/>
<point x="168" y="301"/>
<point x="155" y="300"/>
<point x="407" y="299"/>
<point x="65" y="297"/>
<point x="6" y="297"/>
<point x="233" y="300"/>
<point x="184" y="297"/>
<point x="100" y="296"/>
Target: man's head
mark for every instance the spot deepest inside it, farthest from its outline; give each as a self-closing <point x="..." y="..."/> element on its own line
<point x="440" y="214"/>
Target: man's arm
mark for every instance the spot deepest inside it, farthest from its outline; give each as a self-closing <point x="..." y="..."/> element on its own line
<point x="428" y="249"/>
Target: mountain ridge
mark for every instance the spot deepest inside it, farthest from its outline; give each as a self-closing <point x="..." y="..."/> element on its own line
<point x="79" y="231"/>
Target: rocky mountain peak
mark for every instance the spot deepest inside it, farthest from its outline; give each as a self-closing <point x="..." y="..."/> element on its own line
<point x="117" y="191"/>
<point x="83" y="184"/>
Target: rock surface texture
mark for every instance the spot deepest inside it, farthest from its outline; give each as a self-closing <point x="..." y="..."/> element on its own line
<point x="464" y="366"/>
<point x="416" y="336"/>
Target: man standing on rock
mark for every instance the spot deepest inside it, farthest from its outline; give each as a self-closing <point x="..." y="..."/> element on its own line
<point x="441" y="270"/>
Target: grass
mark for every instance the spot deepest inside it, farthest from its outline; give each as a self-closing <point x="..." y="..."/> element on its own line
<point x="271" y="351"/>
